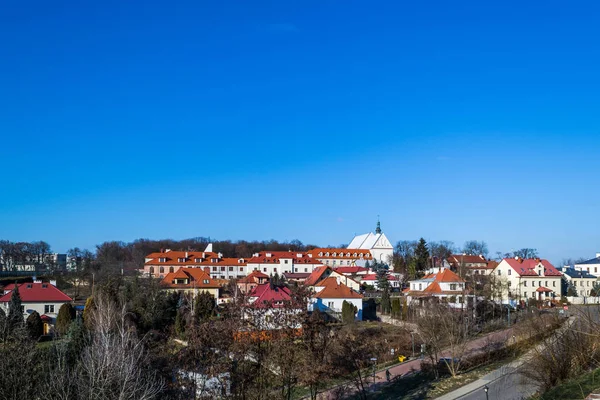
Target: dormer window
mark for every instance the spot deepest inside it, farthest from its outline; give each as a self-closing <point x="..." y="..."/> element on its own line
<point x="180" y="259"/>
<point x="162" y="259"/>
<point x="347" y="254"/>
<point x="327" y="254"/>
<point x="321" y="254"/>
<point x="355" y="254"/>
<point x="334" y="254"/>
<point x="206" y="281"/>
<point x="198" y="260"/>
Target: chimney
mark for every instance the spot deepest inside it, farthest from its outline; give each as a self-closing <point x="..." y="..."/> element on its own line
<point x="186" y="254"/>
<point x="167" y="250"/>
<point x="53" y="282"/>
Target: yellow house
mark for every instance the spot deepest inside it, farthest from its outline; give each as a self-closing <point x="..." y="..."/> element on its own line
<point x="190" y="281"/>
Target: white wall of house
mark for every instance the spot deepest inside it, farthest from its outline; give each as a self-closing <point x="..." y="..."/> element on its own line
<point x="49" y="308"/>
<point x="336" y="304"/>
<point x="524" y="287"/>
<point x="582" y="285"/>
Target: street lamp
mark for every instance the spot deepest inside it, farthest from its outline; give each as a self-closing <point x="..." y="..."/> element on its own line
<point x="374" y="361"/>
<point x="486" y="389"/>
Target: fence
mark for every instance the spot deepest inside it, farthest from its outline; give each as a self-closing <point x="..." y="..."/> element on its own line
<point x="583" y="300"/>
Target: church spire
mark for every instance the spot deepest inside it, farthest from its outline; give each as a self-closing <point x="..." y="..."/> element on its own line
<point x="378" y="229"/>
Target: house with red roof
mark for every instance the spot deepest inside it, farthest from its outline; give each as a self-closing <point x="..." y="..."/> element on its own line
<point x="271" y="307"/>
<point x="352" y="271"/>
<point x="522" y="279"/>
<point x="248" y="283"/>
<point x="43" y="297"/>
<point x="329" y="296"/>
<point x="444" y="286"/>
<point x="339" y="257"/>
<point x="159" y="264"/>
<point x="471" y="264"/>
<point x="279" y="262"/>
<point x="371" y="279"/>
<point x="190" y="281"/>
<point x="323" y="272"/>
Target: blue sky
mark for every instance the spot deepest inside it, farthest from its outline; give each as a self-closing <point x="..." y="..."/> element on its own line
<point x="301" y="119"/>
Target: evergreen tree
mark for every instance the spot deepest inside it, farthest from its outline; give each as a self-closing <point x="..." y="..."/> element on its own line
<point x="348" y="312"/>
<point x="204" y="307"/>
<point x="66" y="315"/>
<point x="385" y="302"/>
<point x="180" y="324"/>
<point x="35" y="325"/>
<point x="421" y="256"/>
<point x="15" y="313"/>
<point x="87" y="311"/>
<point x="396" y="308"/>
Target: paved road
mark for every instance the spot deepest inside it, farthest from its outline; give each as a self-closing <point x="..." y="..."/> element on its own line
<point x="505" y="383"/>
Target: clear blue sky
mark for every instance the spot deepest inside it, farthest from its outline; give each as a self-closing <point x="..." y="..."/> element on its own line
<point x="302" y="119"/>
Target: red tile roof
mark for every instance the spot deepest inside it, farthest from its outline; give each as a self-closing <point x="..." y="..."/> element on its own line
<point x="334" y="290"/>
<point x="466" y="259"/>
<point x="373" y="277"/>
<point x="543" y="289"/>
<point x="445" y="275"/>
<point x="197" y="279"/>
<point x="254" y="277"/>
<point x="37" y="293"/>
<point x="193" y="258"/>
<point x="267" y="295"/>
<point x="273" y="257"/>
<point x="317" y="275"/>
<point x="350" y="270"/>
<point x="529" y="266"/>
<point x="341" y="253"/>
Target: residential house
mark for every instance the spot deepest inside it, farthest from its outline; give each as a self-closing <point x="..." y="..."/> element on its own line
<point x="521" y="279"/>
<point x="271" y="307"/>
<point x="330" y="295"/>
<point x="339" y="257"/>
<point x="467" y="263"/>
<point x="280" y="262"/>
<point x="191" y="281"/>
<point x="377" y="243"/>
<point x="591" y="266"/>
<point x="43" y="297"/>
<point x="248" y="283"/>
<point x="323" y="272"/>
<point x="159" y="264"/>
<point x="352" y="271"/>
<point x="443" y="285"/>
<point x="297" y="277"/>
<point x="372" y="280"/>
<point x="582" y="281"/>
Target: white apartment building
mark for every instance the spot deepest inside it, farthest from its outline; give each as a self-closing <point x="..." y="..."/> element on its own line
<point x="521" y="279"/>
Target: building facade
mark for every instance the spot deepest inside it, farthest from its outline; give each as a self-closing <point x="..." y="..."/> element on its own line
<point x="377" y="243"/>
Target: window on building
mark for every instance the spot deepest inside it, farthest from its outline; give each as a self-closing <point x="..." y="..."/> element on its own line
<point x="48" y="308"/>
<point x="162" y="259"/>
<point x="231" y="269"/>
<point x="151" y="270"/>
<point x="525" y="283"/>
<point x="264" y="270"/>
<point x="285" y="261"/>
<point x="275" y="270"/>
<point x="214" y="269"/>
<point x="499" y="272"/>
<point x="453" y="286"/>
<point x="588" y="283"/>
<point x="539" y="283"/>
<point x="532" y="283"/>
<point x="305" y="269"/>
<point x="330" y="304"/>
<point x="420" y="286"/>
<point x="524" y="294"/>
<point x="509" y="283"/>
<point x="161" y="270"/>
<point x="171" y="269"/>
<point x="222" y="268"/>
<point x="554" y="283"/>
<point x="206" y="281"/>
<point x="508" y="272"/>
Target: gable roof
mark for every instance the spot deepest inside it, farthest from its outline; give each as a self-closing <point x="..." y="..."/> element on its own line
<point x="350" y="270"/>
<point x="253" y="277"/>
<point x="573" y="273"/>
<point x="270" y="295"/>
<point x="466" y="259"/>
<point x="334" y="290"/>
<point x="198" y="279"/>
<point x="361" y="254"/>
<point x="192" y="258"/>
<point x="445" y="275"/>
<point x="527" y="267"/>
<point x="316" y="275"/>
<point x="373" y="277"/>
<point x="273" y="257"/>
<point x="37" y="292"/>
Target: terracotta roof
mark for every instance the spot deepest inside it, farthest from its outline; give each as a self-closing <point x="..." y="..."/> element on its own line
<point x="253" y="277"/>
<point x="316" y="275"/>
<point x="334" y="290"/>
<point x="198" y="279"/>
<point x="528" y="267"/>
<point x="296" y="275"/>
<point x="373" y="277"/>
<point x="193" y="258"/>
<point x="37" y="293"/>
<point x="268" y="295"/>
<point x="445" y="275"/>
<point x="273" y="257"/>
<point x="341" y="253"/>
<point x="543" y="289"/>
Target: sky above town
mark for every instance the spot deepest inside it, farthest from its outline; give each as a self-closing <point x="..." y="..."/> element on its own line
<point x="302" y="120"/>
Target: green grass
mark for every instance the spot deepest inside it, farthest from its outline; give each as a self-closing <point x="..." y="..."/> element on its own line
<point x="574" y="389"/>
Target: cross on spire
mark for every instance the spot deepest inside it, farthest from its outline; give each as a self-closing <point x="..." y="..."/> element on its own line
<point x="378" y="229"/>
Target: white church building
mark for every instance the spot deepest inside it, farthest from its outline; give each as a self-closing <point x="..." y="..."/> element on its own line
<point x="377" y="243"/>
